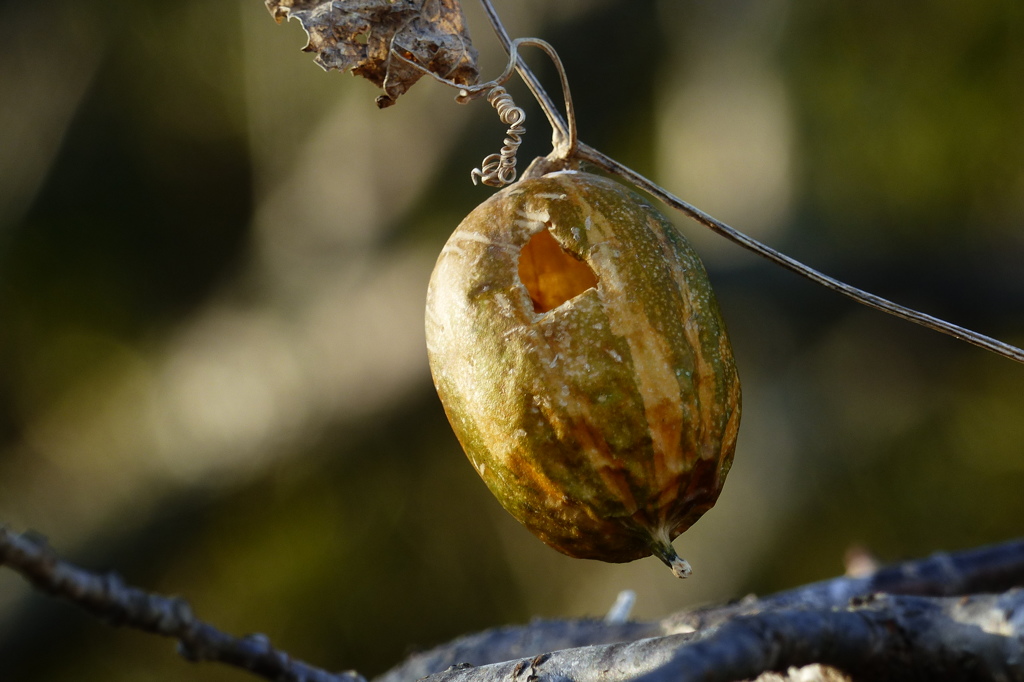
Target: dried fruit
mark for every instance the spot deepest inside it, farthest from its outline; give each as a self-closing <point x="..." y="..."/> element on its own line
<point x="578" y="350"/>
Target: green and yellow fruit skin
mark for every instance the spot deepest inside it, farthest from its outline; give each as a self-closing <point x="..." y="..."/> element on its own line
<point x="589" y="378"/>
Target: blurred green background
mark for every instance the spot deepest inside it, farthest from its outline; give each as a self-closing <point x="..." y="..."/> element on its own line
<point x="213" y="261"/>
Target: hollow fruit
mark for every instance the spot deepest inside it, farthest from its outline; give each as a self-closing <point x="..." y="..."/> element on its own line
<point x="578" y="350"/>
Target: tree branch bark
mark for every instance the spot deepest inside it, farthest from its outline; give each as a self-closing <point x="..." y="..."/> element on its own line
<point x="888" y="637"/>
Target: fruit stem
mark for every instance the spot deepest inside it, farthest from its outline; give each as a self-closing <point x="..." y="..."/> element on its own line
<point x="663" y="549"/>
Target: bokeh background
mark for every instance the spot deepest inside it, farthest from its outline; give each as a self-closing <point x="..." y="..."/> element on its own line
<point x="213" y="260"/>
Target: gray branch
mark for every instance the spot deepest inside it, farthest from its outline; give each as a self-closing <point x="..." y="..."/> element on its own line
<point x="889" y="637"/>
<point x="988" y="569"/>
<point x="905" y="622"/>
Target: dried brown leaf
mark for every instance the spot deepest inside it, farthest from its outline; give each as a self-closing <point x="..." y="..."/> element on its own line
<point x="361" y="34"/>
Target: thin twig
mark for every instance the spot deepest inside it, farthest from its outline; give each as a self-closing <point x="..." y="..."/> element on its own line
<point x="108" y="597"/>
<point x="587" y="153"/>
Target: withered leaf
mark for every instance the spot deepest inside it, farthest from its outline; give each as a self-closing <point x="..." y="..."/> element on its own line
<point x="361" y="34"/>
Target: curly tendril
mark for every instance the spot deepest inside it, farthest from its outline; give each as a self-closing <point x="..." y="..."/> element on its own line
<point x="498" y="170"/>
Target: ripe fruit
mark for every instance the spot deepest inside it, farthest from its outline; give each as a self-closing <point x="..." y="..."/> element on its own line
<point x="579" y="353"/>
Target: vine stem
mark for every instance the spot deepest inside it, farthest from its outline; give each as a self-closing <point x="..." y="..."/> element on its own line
<point x="583" y="152"/>
<point x="591" y="155"/>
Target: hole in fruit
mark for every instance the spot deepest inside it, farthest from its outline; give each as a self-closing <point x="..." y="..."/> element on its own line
<point x="551" y="274"/>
